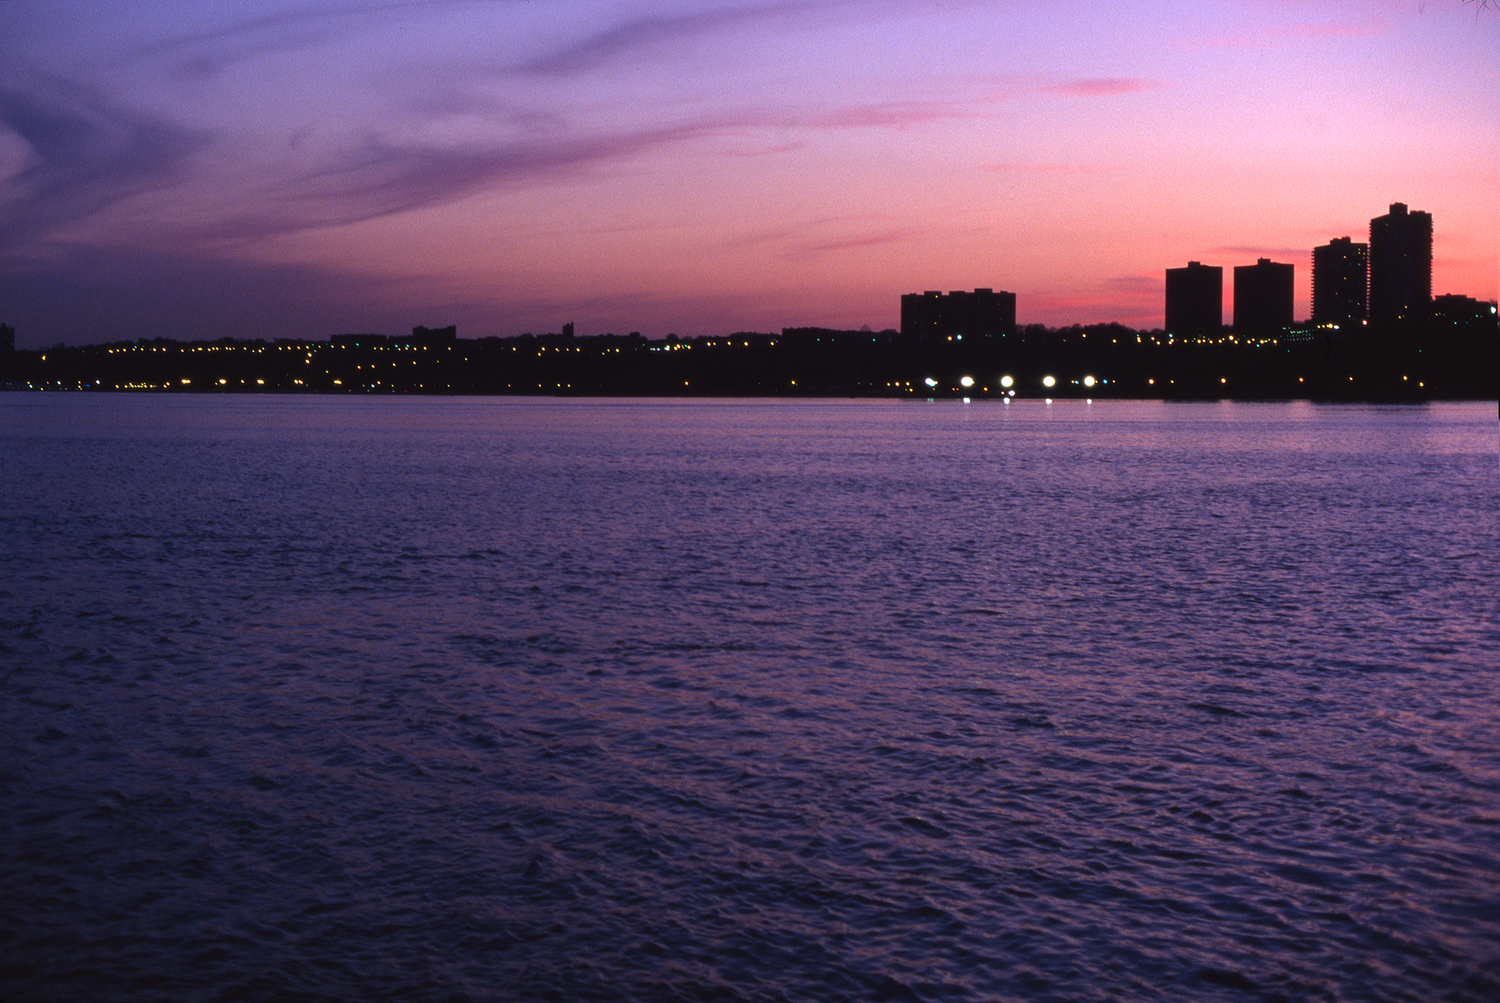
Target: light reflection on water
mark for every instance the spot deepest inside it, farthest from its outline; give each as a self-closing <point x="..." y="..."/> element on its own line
<point x="497" y="699"/>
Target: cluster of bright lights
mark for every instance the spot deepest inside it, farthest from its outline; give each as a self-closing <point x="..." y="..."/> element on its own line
<point x="1007" y="382"/>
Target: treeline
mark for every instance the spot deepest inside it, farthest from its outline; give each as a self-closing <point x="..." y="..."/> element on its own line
<point x="1437" y="359"/>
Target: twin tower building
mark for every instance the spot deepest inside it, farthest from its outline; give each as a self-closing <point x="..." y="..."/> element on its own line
<point x="1385" y="281"/>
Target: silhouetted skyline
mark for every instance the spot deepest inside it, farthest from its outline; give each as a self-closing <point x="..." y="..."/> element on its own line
<point x="175" y="169"/>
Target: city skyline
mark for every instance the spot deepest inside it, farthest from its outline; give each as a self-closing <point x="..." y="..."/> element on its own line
<point x="278" y="168"/>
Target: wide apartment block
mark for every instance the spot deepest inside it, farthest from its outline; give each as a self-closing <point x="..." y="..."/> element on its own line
<point x="983" y="313"/>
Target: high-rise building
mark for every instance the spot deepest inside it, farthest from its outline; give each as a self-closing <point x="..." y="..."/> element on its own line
<point x="1262" y="297"/>
<point x="982" y="313"/>
<point x="1340" y="282"/>
<point x="1195" y="300"/>
<point x="1400" y="265"/>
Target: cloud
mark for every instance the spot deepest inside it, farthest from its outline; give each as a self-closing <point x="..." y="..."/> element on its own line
<point x="813" y="250"/>
<point x="891" y="114"/>
<point x="91" y="154"/>
<point x="1271" y="35"/>
<point x="1252" y="251"/>
<point x="643" y="32"/>
<point x="1053" y="168"/>
<point x="766" y="149"/>
<point x="1134" y="305"/>
<point x="206" y="54"/>
<point x="811" y="238"/>
<point x="379" y="178"/>
<point x="1103" y="87"/>
<point x="1138" y="283"/>
<point x="654" y="31"/>
<point x="86" y="155"/>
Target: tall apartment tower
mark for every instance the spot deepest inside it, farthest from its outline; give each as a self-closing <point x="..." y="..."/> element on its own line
<point x="1340" y="282"/>
<point x="1400" y="265"/>
<point x="1195" y="300"/>
<point x="1262" y="297"/>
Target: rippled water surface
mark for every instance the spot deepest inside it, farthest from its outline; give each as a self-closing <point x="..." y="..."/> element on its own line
<point x="337" y="699"/>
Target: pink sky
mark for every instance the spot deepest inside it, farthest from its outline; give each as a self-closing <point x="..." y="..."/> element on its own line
<point x="300" y="169"/>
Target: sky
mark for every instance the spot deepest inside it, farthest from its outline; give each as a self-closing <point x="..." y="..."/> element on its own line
<point x="303" y="168"/>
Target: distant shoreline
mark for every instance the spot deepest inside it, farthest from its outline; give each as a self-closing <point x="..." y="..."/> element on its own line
<point x="810" y="396"/>
<point x="1437" y="359"/>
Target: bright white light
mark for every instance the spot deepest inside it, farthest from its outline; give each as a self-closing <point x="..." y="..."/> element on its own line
<point x="930" y="382"/>
<point x="1006" y="381"/>
<point x="967" y="381"/>
<point x="1088" y="381"/>
<point x="1012" y="393"/>
<point x="1048" y="381"/>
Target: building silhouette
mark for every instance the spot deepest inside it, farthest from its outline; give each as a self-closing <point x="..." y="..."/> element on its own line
<point x="983" y="313"/>
<point x="434" y="335"/>
<point x="1340" y="282"/>
<point x="1454" y="311"/>
<point x="1400" y="265"/>
<point x="1262" y="297"/>
<point x="1195" y="300"/>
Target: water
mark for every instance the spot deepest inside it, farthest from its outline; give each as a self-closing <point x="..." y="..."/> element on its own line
<point x="462" y="699"/>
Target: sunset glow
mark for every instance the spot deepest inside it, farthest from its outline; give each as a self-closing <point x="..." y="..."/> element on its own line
<point x="297" y="169"/>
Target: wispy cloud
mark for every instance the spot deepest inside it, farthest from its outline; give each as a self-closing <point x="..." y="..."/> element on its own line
<point x="891" y="114"/>
<point x="811" y="238"/>
<point x="204" y="54"/>
<point x="87" y="155"/>
<point x="90" y="155"/>
<point x="1103" y="87"/>
<point x="817" y="249"/>
<point x="380" y="178"/>
<point x="1253" y="251"/>
<point x="1138" y="283"/>
<point x="1052" y="168"/>
<point x="1272" y="35"/>
<point x="1132" y="304"/>
<point x="638" y="33"/>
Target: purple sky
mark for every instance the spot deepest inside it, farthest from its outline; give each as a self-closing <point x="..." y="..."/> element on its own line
<point x="300" y="169"/>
